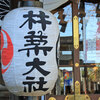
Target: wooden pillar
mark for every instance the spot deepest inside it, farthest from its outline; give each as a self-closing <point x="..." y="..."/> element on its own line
<point x="76" y="64"/>
<point x="58" y="88"/>
<point x="83" y="85"/>
<point x="89" y="86"/>
<point x="86" y="80"/>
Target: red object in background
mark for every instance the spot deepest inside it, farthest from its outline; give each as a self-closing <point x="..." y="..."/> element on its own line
<point x="98" y="37"/>
<point x="6" y="53"/>
<point x="98" y="44"/>
<point x="98" y="30"/>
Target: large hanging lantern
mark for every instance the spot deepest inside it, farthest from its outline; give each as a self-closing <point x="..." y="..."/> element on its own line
<point x="29" y="40"/>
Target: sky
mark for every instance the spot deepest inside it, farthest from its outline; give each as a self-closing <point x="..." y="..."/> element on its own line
<point x="90" y="26"/>
<point x="90" y="10"/>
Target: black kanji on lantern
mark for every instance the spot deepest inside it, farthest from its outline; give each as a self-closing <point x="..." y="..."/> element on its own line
<point x="31" y="19"/>
<point x="36" y="63"/>
<point x="34" y="41"/>
<point x="29" y="81"/>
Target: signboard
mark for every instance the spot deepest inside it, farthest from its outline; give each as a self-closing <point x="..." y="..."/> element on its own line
<point x="92" y="40"/>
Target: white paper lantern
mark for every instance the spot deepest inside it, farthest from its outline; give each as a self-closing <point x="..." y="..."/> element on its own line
<point x="29" y="40"/>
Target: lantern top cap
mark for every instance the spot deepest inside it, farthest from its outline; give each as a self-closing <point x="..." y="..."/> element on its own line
<point x="30" y="3"/>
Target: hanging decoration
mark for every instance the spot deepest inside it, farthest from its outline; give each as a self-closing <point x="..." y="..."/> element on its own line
<point x="4" y="8"/>
<point x="29" y="45"/>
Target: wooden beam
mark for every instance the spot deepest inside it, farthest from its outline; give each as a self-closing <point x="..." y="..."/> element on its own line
<point x="71" y="65"/>
<point x="61" y="7"/>
<point x="91" y="1"/>
<point x="66" y="44"/>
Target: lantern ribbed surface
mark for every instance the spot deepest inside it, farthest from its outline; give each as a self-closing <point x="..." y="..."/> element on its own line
<point x="29" y="45"/>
